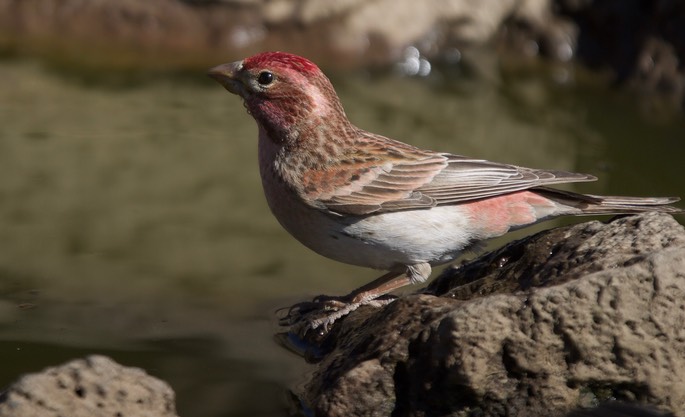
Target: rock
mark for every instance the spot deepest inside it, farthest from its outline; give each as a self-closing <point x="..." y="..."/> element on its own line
<point x="617" y="409"/>
<point x="164" y="33"/>
<point x="563" y="319"/>
<point x="90" y="387"/>
<point x="642" y="42"/>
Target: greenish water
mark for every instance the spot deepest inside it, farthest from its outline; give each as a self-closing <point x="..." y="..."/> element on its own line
<point x="132" y="221"/>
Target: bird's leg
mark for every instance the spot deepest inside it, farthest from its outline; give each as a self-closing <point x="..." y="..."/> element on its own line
<point x="370" y="293"/>
<point x="389" y="282"/>
<point x="380" y="286"/>
<point x="411" y="274"/>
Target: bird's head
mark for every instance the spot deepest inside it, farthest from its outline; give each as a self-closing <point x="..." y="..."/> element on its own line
<point x="285" y="93"/>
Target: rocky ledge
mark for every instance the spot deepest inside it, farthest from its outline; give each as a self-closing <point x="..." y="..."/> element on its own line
<point x="565" y="319"/>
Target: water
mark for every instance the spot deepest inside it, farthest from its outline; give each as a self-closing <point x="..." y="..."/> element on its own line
<point x="132" y="222"/>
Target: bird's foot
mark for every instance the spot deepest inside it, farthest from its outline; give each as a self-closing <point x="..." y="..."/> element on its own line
<point x="320" y="313"/>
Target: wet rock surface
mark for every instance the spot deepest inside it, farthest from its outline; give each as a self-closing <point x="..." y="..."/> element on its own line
<point x="94" y="386"/>
<point x="565" y="319"/>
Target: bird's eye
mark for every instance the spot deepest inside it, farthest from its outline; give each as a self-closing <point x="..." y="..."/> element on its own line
<point x="265" y="78"/>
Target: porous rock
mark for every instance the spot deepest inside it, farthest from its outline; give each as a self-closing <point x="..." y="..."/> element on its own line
<point x="564" y="319"/>
<point x="91" y="387"/>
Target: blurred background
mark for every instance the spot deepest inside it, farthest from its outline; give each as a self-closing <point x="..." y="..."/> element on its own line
<point x="132" y="221"/>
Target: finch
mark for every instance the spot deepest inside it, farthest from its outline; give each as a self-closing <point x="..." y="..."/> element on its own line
<point x="364" y="199"/>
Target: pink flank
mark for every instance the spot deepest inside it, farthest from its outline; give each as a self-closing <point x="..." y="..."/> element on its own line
<point x="496" y="215"/>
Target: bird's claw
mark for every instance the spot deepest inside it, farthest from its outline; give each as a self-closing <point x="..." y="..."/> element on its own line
<point x="331" y="302"/>
<point x="320" y="313"/>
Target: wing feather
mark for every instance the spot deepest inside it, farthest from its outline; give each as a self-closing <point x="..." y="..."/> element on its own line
<point x="416" y="179"/>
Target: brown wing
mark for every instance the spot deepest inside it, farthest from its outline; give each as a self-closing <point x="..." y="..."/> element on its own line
<point x="466" y="179"/>
<point x="382" y="180"/>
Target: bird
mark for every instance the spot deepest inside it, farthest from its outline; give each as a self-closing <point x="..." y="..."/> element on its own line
<point x="368" y="200"/>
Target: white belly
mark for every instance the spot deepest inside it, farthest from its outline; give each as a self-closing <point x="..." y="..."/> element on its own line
<point x="384" y="241"/>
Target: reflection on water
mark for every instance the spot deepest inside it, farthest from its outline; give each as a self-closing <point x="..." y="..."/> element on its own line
<point x="132" y="221"/>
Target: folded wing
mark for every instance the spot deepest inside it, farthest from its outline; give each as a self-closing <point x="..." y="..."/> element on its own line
<point x="410" y="178"/>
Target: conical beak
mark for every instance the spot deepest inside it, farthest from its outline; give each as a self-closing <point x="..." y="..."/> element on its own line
<point x="226" y="75"/>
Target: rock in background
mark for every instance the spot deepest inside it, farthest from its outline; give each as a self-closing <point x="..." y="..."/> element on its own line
<point x="91" y="387"/>
<point x="567" y="318"/>
<point x="642" y="43"/>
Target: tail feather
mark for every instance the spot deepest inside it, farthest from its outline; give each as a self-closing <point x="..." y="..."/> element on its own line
<point x="589" y="204"/>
